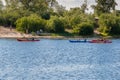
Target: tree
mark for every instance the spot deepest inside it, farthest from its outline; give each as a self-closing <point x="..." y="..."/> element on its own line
<point x="84" y="6"/>
<point x="59" y="9"/>
<point x="55" y="24"/>
<point x="74" y="16"/>
<point x="110" y="24"/>
<point x="104" y="6"/>
<point x="10" y="13"/>
<point x="51" y="2"/>
<point x="29" y="24"/>
<point x="39" y="7"/>
<point x="1" y="5"/>
<point x="84" y="28"/>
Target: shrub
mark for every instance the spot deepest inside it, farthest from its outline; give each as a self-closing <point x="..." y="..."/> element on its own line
<point x="31" y="24"/>
<point x="76" y="20"/>
<point x="22" y="24"/>
<point x="55" y="24"/>
<point x="84" y="29"/>
<point x="59" y="25"/>
<point x="8" y="19"/>
<point x="110" y="24"/>
<point x="115" y="29"/>
<point x="50" y="24"/>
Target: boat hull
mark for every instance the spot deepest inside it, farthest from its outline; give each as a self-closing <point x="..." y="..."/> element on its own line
<point x="91" y="41"/>
<point x="28" y="40"/>
<point x="100" y="41"/>
<point x="77" y="41"/>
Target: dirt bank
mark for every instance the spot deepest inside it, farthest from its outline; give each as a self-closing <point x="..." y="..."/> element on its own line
<point x="11" y="33"/>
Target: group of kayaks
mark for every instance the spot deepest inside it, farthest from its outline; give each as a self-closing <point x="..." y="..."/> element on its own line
<point x="72" y="41"/>
<point x="91" y="41"/>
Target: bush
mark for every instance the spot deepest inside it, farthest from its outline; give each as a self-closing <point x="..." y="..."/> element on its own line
<point x="115" y="29"/>
<point x="29" y="24"/>
<point x="2" y="22"/>
<point x="8" y="19"/>
<point x="59" y="25"/>
<point x="66" y="22"/>
<point x="76" y="20"/>
<point x="56" y="25"/>
<point x="84" y="29"/>
<point x="50" y="24"/>
<point x="110" y="24"/>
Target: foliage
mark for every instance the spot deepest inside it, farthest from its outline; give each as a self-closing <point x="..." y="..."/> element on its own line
<point x="28" y="7"/>
<point x="75" y="16"/>
<point x="117" y="12"/>
<point x="110" y="24"/>
<point x="50" y="24"/>
<point x="48" y="15"/>
<point x="104" y="6"/>
<point x="8" y="19"/>
<point x="59" y="25"/>
<point x="55" y="24"/>
<point x="84" y="6"/>
<point x="84" y="29"/>
<point x="59" y="9"/>
<point x="30" y="24"/>
<point x="76" y="20"/>
<point x="1" y="5"/>
<point x="115" y="28"/>
<point x="65" y="20"/>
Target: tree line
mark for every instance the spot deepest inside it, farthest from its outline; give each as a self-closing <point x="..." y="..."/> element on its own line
<point x="32" y="15"/>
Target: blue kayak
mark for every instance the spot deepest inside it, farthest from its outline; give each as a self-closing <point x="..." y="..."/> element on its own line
<point x="78" y="41"/>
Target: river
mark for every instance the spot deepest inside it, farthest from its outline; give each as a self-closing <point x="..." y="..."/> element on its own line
<point x="59" y="60"/>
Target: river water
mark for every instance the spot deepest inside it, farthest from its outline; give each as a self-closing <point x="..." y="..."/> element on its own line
<point x="59" y="60"/>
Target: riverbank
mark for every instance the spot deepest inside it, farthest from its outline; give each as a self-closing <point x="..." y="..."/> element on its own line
<point x="12" y="33"/>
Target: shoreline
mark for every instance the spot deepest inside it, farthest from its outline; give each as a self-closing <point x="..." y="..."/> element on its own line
<point x="57" y="37"/>
<point x="6" y="33"/>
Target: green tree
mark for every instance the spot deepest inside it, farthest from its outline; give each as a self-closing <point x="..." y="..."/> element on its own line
<point x="55" y="24"/>
<point x="1" y="5"/>
<point x="84" y="29"/>
<point x="59" y="9"/>
<point x="84" y="6"/>
<point x="29" y="24"/>
<point x="73" y="17"/>
<point x="104" y="6"/>
<point x="40" y="7"/>
<point x="110" y="24"/>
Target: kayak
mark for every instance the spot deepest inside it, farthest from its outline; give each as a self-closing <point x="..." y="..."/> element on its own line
<point x="100" y="41"/>
<point x="77" y="41"/>
<point x="91" y="41"/>
<point x="27" y="39"/>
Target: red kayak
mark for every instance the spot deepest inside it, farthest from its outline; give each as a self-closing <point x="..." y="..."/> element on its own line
<point x="27" y="39"/>
<point x="100" y="41"/>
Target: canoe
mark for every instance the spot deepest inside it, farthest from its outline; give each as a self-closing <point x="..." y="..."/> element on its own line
<point x="77" y="41"/>
<point x="27" y="39"/>
<point x="100" y="41"/>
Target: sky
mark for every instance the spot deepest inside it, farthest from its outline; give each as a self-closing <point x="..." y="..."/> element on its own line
<point x="77" y="3"/>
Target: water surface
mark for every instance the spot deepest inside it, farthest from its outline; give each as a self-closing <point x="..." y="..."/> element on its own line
<point x="59" y="60"/>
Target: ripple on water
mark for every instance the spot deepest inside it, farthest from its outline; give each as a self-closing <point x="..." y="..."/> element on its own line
<point x="58" y="60"/>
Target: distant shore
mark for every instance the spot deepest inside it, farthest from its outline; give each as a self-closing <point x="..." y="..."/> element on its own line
<point x="55" y="37"/>
<point x="7" y="33"/>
